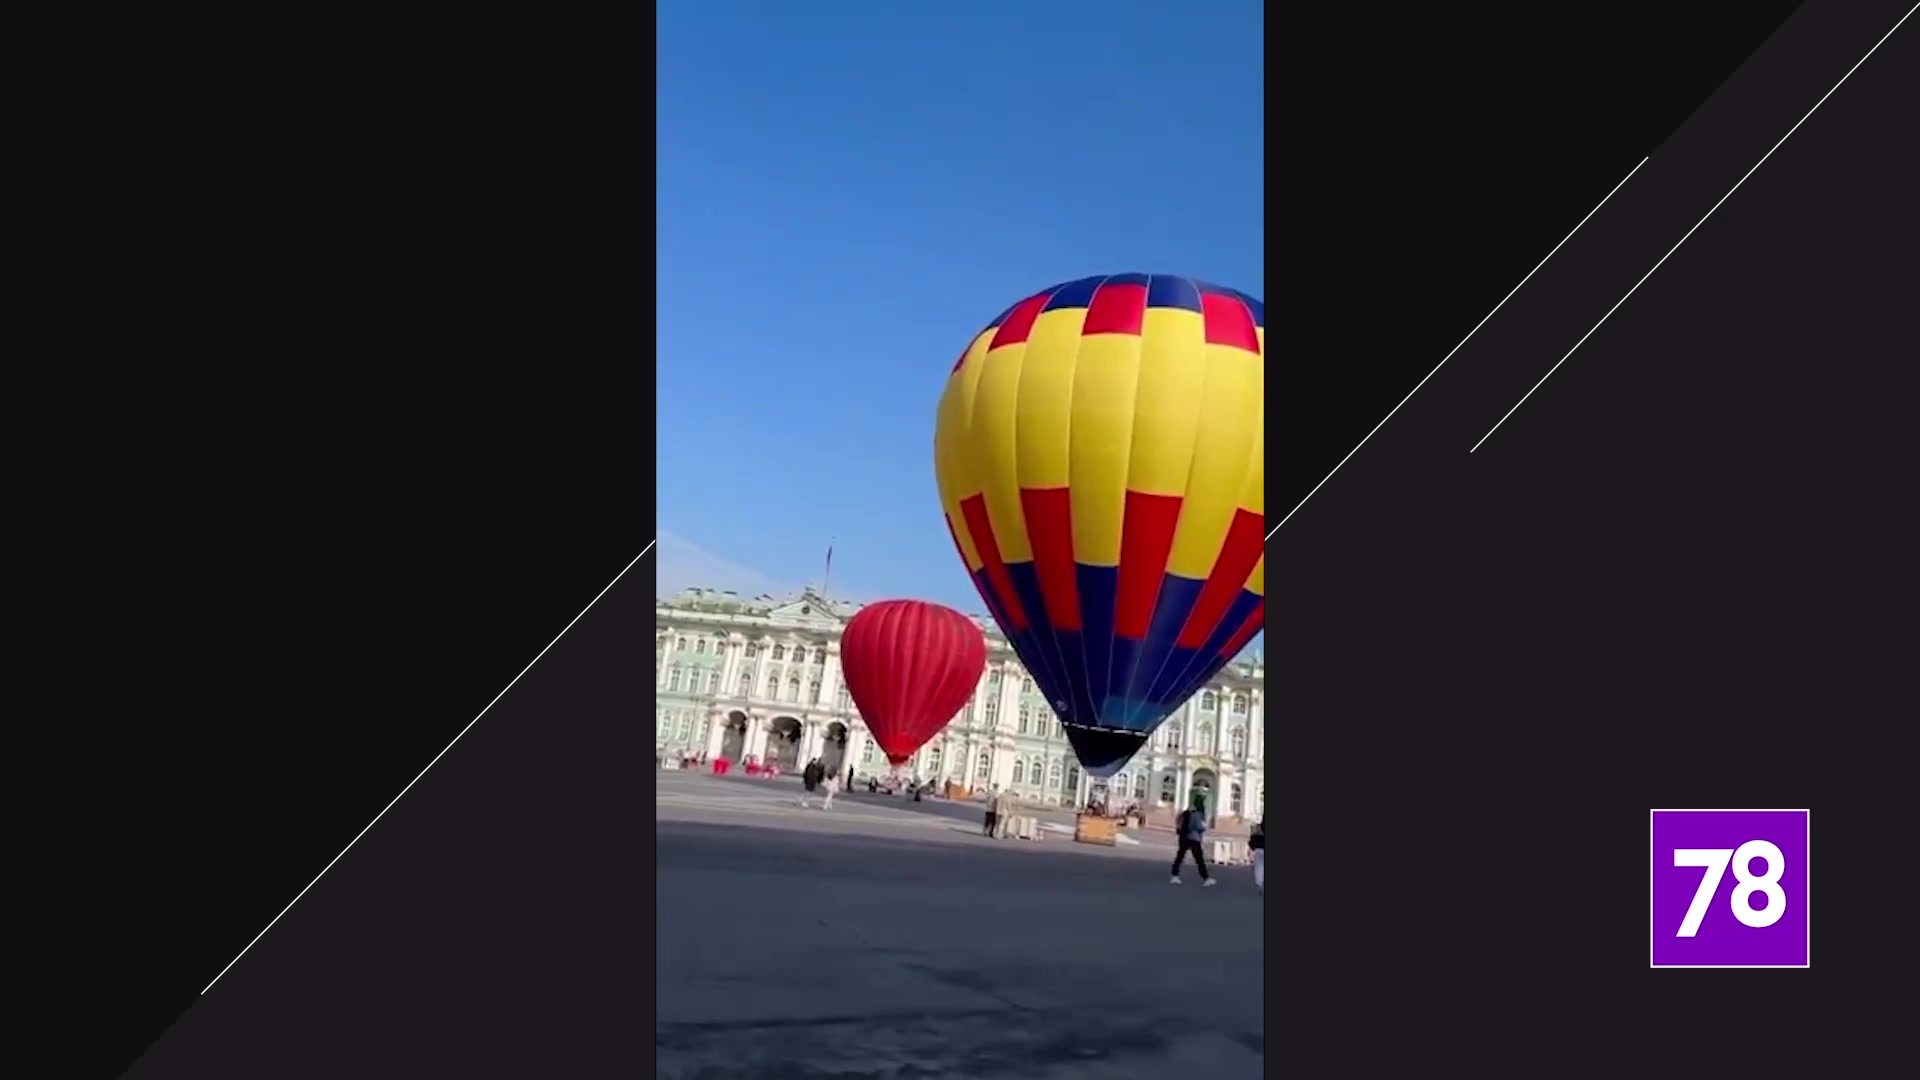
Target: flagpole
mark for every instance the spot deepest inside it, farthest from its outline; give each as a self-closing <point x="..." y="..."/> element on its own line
<point x="828" y="577"/>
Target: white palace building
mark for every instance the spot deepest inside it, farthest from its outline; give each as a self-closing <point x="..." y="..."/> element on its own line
<point x="761" y="677"/>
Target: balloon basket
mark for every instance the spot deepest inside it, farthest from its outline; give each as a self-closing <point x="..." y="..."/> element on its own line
<point x="1093" y="829"/>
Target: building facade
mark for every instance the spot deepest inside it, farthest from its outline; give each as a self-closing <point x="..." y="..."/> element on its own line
<point x="737" y="677"/>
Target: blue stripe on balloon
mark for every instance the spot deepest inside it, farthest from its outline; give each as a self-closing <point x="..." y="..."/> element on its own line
<point x="1189" y="669"/>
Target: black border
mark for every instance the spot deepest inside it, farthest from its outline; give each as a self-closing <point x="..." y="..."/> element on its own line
<point x="356" y="415"/>
<point x="1673" y="578"/>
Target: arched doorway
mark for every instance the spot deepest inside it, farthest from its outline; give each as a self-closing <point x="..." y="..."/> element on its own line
<point x="1201" y="792"/>
<point x="783" y="743"/>
<point x="733" y="745"/>
<point x="833" y="756"/>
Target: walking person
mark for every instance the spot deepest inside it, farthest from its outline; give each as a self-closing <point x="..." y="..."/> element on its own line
<point x="1257" y="843"/>
<point x="1191" y="828"/>
<point x="829" y="785"/>
<point x="993" y="813"/>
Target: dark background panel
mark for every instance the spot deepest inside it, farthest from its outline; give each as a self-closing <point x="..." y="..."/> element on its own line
<point x="1676" y="577"/>
<point x="1431" y="157"/>
<point x="355" y="413"/>
<point x="486" y="927"/>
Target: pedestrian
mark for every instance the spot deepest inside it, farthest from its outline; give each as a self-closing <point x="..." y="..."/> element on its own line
<point x="830" y="785"/>
<point x="993" y="814"/>
<point x="1191" y="828"/>
<point x="1002" y="813"/>
<point x="1257" y="842"/>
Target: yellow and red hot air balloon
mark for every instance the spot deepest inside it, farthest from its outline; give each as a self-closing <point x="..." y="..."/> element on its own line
<point x="1100" y="454"/>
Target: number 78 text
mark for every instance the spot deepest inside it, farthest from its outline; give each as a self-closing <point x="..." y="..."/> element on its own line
<point x="1715" y="861"/>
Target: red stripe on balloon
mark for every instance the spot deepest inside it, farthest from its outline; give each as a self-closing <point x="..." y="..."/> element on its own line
<point x="981" y="529"/>
<point x="1019" y="322"/>
<point x="1050" y="529"/>
<point x="1246" y="539"/>
<point x="1146" y="538"/>
<point x="1255" y="620"/>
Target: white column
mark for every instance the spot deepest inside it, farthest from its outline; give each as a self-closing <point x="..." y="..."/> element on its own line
<point x="756" y="741"/>
<point x="1010" y="704"/>
<point x="1002" y="774"/>
<point x="1257" y="730"/>
<point x="666" y="661"/>
<point x="716" y="734"/>
<point x="729" y="667"/>
<point x="830" y="681"/>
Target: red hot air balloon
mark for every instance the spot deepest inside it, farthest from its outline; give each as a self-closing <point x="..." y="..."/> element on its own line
<point x="910" y="667"/>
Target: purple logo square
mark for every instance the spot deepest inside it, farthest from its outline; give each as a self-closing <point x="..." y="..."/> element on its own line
<point x="1731" y="888"/>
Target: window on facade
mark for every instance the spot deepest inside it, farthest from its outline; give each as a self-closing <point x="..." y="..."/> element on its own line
<point x="993" y="678"/>
<point x="779" y="652"/>
<point x="751" y="651"/>
<point x="1026" y="719"/>
<point x="1121" y="782"/>
<point x="793" y="688"/>
<point x="933" y="758"/>
<point x="984" y="766"/>
<point x="1233" y="799"/>
<point x="799" y="656"/>
<point x="746" y="684"/>
<point x="1203" y="740"/>
<point x="993" y="712"/>
<point x="1239" y="740"/>
<point x="1208" y="702"/>
<point x="1173" y="736"/>
<point x="680" y="644"/>
<point x="1026" y="686"/>
<point x="869" y="753"/>
<point x="1053" y="775"/>
<point x="673" y="678"/>
<point x="1034" y="772"/>
<point x="686" y="728"/>
<point x="1140" y="787"/>
<point x="1019" y="771"/>
<point x="813" y="693"/>
<point x="1239" y="704"/>
<point x="1167" y="787"/>
<point x="1073" y="778"/>
<point x="842" y="699"/>
<point x="713" y="681"/>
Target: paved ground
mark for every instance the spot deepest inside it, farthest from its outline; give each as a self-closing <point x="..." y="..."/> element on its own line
<point x="879" y="941"/>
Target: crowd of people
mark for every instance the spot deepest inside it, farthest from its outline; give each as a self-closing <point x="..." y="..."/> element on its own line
<point x="1190" y="828"/>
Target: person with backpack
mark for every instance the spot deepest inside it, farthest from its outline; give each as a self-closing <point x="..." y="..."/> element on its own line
<point x="1191" y="828"/>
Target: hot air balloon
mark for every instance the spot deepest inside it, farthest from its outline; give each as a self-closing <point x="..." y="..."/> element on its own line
<point x="910" y="666"/>
<point x="1099" y="451"/>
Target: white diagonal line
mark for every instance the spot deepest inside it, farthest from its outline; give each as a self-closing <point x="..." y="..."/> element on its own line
<point x="1696" y="225"/>
<point x="1456" y="348"/>
<point x="430" y="764"/>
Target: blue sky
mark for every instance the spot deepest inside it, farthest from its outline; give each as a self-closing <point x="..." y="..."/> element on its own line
<point x="849" y="191"/>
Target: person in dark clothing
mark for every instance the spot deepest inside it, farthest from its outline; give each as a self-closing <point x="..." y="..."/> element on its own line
<point x="1191" y="828"/>
<point x="849" y="784"/>
<point x="810" y="776"/>
<point x="993" y="813"/>
<point x="1257" y="843"/>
